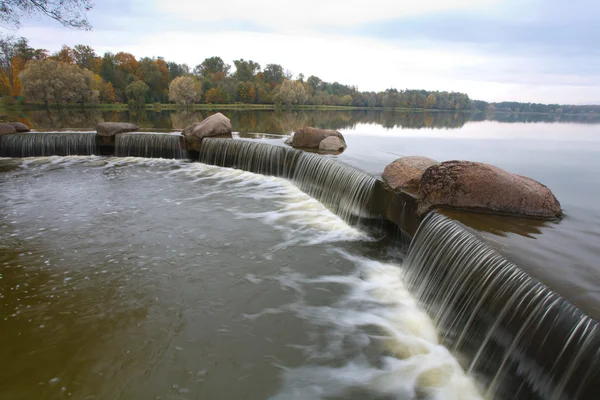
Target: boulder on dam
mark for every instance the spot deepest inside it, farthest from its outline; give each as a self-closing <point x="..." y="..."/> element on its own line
<point x="312" y="138"/>
<point x="406" y="172"/>
<point x="217" y="125"/>
<point x="13" y="127"/>
<point x="114" y="128"/>
<point x="483" y="187"/>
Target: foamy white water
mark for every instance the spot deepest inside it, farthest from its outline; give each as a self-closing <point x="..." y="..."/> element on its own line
<point x="376" y="310"/>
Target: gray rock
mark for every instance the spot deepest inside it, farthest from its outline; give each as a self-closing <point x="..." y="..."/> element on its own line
<point x="332" y="143"/>
<point x="217" y="125"/>
<point x="406" y="172"/>
<point x="312" y="137"/>
<point x="7" y="129"/>
<point x="289" y="140"/>
<point x="483" y="187"/>
<point x="114" y="128"/>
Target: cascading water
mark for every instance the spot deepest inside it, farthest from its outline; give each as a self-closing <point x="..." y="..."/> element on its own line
<point x="528" y="339"/>
<point x="150" y="145"/>
<point x="343" y="189"/>
<point x="48" y="144"/>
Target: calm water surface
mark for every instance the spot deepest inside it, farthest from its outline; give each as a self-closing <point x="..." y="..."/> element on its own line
<point x="129" y="278"/>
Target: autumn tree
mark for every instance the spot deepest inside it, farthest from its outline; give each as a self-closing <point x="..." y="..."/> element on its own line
<point x="211" y="66"/>
<point x="64" y="55"/>
<point x="70" y="13"/>
<point x="14" y="54"/>
<point x="127" y="63"/>
<point x="49" y="81"/>
<point x="430" y="101"/>
<point x="251" y="94"/>
<point x="136" y="93"/>
<point x="216" y="95"/>
<point x="184" y="90"/>
<point x="291" y="93"/>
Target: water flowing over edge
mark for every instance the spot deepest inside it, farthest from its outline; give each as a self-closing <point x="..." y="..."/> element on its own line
<point x="150" y="145"/>
<point x="527" y="338"/>
<point x="48" y="144"/>
<point x="345" y="190"/>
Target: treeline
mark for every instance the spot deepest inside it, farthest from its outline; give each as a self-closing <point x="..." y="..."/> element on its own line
<point x="36" y="76"/>
<point x="517" y="107"/>
<point x="79" y="75"/>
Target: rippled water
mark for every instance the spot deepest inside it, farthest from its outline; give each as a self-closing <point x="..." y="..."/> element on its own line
<point x="133" y="278"/>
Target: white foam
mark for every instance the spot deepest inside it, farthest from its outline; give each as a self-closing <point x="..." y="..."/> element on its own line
<point x="414" y="364"/>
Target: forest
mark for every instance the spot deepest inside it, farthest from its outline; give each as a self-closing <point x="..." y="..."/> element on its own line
<point x="78" y="75"/>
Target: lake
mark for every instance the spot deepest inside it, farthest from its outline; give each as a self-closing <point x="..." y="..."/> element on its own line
<point x="139" y="278"/>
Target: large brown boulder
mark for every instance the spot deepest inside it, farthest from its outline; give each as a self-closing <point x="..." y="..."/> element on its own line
<point x="406" y="172"/>
<point x="483" y="187"/>
<point x="312" y="137"/>
<point x="332" y="143"/>
<point x="114" y="128"/>
<point x="19" y="127"/>
<point x="7" y="129"/>
<point x="217" y="125"/>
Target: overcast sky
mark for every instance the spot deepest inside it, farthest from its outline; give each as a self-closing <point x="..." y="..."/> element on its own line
<point x="524" y="50"/>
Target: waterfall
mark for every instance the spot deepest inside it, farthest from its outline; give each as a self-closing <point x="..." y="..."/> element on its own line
<point x="150" y="145"/>
<point x="344" y="190"/>
<point x="47" y="144"/>
<point x="531" y="342"/>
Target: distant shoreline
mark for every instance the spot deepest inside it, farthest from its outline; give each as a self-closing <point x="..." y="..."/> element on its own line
<point x="253" y="107"/>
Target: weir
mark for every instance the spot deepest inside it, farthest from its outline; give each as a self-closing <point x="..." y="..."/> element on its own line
<point x="533" y="343"/>
<point x="150" y="145"/>
<point x="346" y="191"/>
<point x="48" y="144"/>
<point x="529" y="341"/>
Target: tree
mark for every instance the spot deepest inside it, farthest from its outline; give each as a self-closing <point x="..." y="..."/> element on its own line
<point x="136" y="93"/>
<point x="216" y="95"/>
<point x="273" y="74"/>
<point x="431" y="100"/>
<point x="176" y="70"/>
<point x="50" y="81"/>
<point x="210" y="66"/>
<point x="65" y="55"/>
<point x="127" y="62"/>
<point x="155" y="74"/>
<point x="184" y="90"/>
<point x="245" y="70"/>
<point x="70" y="13"/>
<point x="14" y="54"/>
<point x="314" y="82"/>
<point x="86" y="57"/>
<point x="292" y="92"/>
<point x="251" y="94"/>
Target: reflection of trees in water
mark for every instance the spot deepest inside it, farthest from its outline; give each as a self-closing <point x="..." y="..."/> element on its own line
<point x="290" y="121"/>
<point x="64" y="119"/>
<point x="277" y="122"/>
<point x="180" y="119"/>
<point x="533" y="118"/>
